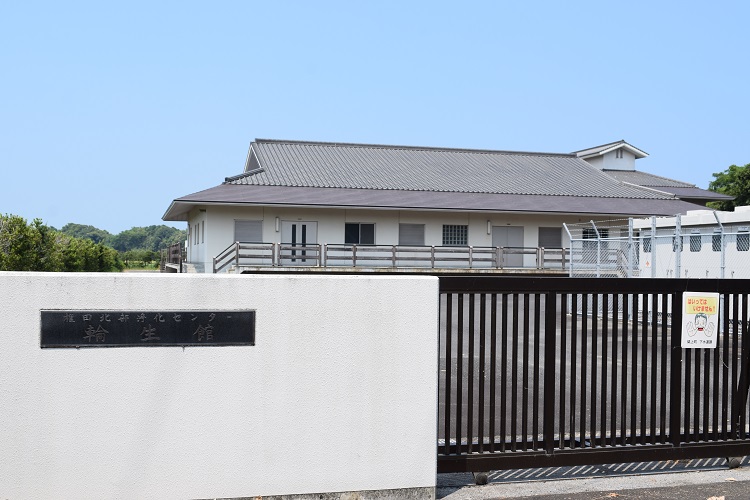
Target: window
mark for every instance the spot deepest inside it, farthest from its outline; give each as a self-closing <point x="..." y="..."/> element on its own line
<point x="618" y="153"/>
<point x="248" y="231"/>
<point x="590" y="234"/>
<point x="411" y="234"/>
<point x="743" y="240"/>
<point x="716" y="240"/>
<point x="696" y="241"/>
<point x="356" y="233"/>
<point x="455" y="235"/>
<point x="550" y="237"/>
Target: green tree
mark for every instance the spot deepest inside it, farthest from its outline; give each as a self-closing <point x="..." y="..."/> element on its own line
<point x="37" y="247"/>
<point x="734" y="181"/>
<point x="28" y="247"/>
<point x="84" y="231"/>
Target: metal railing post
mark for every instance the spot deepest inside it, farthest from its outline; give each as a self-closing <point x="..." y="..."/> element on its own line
<point x="631" y="248"/>
<point x="598" y="251"/>
<point x="471" y="257"/>
<point x="570" y="240"/>
<point x="653" y="246"/>
<point x="324" y="259"/>
<point x="393" y="255"/>
<point x="677" y="246"/>
<point x="354" y="255"/>
<point x="723" y="250"/>
<point x="540" y="258"/>
<point x="432" y="256"/>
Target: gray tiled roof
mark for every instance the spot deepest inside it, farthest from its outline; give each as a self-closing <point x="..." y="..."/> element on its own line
<point x="422" y="200"/>
<point x="376" y="167"/>
<point x="646" y="179"/>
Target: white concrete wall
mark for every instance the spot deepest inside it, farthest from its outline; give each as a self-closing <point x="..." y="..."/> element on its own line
<point x="338" y="394"/>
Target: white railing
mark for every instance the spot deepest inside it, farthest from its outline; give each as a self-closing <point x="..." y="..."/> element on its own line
<point x="389" y="256"/>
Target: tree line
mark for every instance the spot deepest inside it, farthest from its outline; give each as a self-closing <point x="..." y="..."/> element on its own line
<point x="34" y="246"/>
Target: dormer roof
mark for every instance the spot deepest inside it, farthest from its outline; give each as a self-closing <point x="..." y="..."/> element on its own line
<point x="607" y="148"/>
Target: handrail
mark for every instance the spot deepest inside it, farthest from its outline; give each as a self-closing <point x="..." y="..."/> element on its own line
<point x="355" y="255"/>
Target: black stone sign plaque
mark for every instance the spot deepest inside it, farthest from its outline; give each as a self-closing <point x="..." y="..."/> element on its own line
<point x="146" y="328"/>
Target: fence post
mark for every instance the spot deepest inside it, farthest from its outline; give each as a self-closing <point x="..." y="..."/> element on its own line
<point x="393" y="255"/>
<point x="432" y="256"/>
<point x="354" y="255"/>
<point x="653" y="246"/>
<point x="677" y="246"/>
<point x="572" y="250"/>
<point x="471" y="257"/>
<point x="324" y="258"/>
<point x="540" y="258"/>
<point x="550" y="373"/>
<point x="631" y="248"/>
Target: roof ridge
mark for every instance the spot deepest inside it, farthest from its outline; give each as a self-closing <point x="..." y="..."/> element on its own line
<point x="415" y="148"/>
<point x="621" y="141"/>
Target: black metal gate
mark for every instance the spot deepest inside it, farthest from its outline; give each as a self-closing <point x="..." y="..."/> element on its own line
<point x="539" y="372"/>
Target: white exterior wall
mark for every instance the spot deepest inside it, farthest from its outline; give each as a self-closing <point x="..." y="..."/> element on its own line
<point x="705" y="263"/>
<point x="220" y="225"/>
<point x="338" y="394"/>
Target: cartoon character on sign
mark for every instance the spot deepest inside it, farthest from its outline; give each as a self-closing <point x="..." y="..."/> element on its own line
<point x="700" y="326"/>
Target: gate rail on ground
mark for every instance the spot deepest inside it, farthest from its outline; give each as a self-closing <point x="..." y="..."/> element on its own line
<point x="570" y="371"/>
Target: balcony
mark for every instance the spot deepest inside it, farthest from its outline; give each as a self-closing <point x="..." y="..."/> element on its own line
<point x="259" y="257"/>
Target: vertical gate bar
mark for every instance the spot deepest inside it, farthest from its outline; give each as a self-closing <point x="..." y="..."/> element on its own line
<point x="664" y="368"/>
<point x="448" y="363"/>
<point x="634" y="370"/>
<point x="525" y="382"/>
<point x="584" y="365"/>
<point x="594" y="368"/>
<point x="482" y="368"/>
<point x="725" y="370"/>
<point x="573" y="367"/>
<point x="742" y="400"/>
<point x="624" y="377"/>
<point x="615" y="357"/>
<point x="644" y="366"/>
<point x="493" y="369"/>
<point x="654" y="363"/>
<point x="687" y="394"/>
<point x="675" y="392"/>
<point x="716" y="376"/>
<point x="470" y="388"/>
<point x="504" y="372"/>
<point x="459" y="371"/>
<point x="550" y="333"/>
<point x="734" y="357"/>
<point x="514" y="384"/>
<point x="706" y="393"/>
<point x="698" y="354"/>
<point x="563" y="362"/>
<point x="537" y="362"/>
<point x="605" y="370"/>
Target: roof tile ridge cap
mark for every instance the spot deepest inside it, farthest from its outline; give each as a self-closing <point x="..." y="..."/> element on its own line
<point x="621" y="141"/>
<point x="416" y="148"/>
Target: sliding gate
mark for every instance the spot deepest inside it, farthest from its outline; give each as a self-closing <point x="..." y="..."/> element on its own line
<point x="539" y="372"/>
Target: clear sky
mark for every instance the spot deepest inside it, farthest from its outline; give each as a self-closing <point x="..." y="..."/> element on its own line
<point x="110" y="110"/>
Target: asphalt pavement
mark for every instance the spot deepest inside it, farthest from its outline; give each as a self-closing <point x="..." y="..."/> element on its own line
<point x="683" y="479"/>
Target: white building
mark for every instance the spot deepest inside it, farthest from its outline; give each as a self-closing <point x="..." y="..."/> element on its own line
<point x="323" y="205"/>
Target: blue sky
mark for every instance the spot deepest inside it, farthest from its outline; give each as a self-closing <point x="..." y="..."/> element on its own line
<point x="109" y="110"/>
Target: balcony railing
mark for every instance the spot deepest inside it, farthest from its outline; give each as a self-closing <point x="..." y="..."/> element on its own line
<point x="389" y="256"/>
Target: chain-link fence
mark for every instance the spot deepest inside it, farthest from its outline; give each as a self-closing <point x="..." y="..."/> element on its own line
<point x="659" y="248"/>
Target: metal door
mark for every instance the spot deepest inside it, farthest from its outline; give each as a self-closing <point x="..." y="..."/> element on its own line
<point x="509" y="237"/>
<point x="299" y="243"/>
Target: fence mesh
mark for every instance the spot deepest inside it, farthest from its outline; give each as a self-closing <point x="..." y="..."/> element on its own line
<point x="658" y="248"/>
